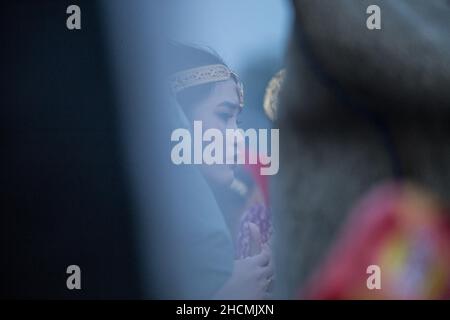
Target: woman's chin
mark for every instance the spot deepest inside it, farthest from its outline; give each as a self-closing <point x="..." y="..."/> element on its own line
<point x="221" y="176"/>
<point x="226" y="178"/>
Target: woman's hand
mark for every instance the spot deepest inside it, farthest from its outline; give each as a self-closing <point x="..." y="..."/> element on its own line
<point x="250" y="279"/>
<point x="255" y="239"/>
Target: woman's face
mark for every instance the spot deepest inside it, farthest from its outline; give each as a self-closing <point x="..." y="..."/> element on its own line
<point x="219" y="111"/>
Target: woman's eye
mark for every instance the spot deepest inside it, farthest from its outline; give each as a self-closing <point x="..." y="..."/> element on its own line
<point x="225" y="116"/>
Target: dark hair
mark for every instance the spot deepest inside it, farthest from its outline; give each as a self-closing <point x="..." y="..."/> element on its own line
<point x="185" y="57"/>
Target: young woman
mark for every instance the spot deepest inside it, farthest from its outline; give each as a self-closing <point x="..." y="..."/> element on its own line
<point x="208" y="91"/>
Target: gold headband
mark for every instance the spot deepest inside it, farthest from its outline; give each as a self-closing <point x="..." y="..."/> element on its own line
<point x="202" y="75"/>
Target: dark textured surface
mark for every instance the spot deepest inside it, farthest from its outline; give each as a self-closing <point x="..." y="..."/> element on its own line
<point x="63" y="188"/>
<point x="359" y="107"/>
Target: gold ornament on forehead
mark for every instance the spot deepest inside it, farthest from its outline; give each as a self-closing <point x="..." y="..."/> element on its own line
<point x="203" y="75"/>
<point x="272" y="95"/>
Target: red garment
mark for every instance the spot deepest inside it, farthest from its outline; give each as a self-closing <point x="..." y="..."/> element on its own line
<point x="399" y="228"/>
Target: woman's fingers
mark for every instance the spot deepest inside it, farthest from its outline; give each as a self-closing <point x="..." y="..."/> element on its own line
<point x="255" y="239"/>
<point x="267" y="273"/>
<point x="265" y="249"/>
<point x="262" y="259"/>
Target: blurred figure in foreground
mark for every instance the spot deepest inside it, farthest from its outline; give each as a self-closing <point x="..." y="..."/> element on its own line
<point x="365" y="110"/>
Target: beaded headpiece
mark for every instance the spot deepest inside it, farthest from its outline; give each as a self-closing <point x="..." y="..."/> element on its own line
<point x="202" y="75"/>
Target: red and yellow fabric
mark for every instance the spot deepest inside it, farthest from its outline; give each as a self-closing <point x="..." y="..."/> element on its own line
<point x="400" y="228"/>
